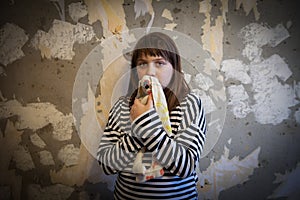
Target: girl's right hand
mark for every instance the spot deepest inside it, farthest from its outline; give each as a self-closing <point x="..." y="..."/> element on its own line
<point x="138" y="108"/>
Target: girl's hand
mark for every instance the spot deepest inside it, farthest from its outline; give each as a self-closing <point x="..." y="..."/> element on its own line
<point x="139" y="108"/>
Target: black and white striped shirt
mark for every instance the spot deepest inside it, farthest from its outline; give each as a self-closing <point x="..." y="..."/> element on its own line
<point x="178" y="153"/>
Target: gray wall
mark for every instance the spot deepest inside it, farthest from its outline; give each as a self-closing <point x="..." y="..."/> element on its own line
<point x="253" y="137"/>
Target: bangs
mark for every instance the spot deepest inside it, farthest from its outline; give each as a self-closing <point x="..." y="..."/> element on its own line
<point x="153" y="52"/>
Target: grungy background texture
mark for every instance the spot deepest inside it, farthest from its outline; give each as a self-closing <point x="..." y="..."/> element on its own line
<point x="250" y="87"/>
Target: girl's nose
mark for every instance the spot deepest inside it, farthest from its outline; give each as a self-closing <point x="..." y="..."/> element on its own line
<point x="151" y="69"/>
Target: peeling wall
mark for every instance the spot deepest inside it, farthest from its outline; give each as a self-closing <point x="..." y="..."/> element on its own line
<point x="60" y="73"/>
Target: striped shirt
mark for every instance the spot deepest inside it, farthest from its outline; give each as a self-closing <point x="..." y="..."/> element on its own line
<point x="178" y="153"/>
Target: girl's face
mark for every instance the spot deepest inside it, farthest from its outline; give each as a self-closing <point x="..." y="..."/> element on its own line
<point x="155" y="66"/>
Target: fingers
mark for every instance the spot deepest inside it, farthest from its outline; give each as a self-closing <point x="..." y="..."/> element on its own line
<point x="137" y="102"/>
<point x="150" y="101"/>
<point x="139" y="108"/>
<point x="133" y="114"/>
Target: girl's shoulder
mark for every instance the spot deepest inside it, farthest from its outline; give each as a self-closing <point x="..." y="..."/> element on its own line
<point x="193" y="98"/>
<point x="122" y="102"/>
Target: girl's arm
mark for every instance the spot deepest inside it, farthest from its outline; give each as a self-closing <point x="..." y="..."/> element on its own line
<point x="180" y="154"/>
<point x="116" y="149"/>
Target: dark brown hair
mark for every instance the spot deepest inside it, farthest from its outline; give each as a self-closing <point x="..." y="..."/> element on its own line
<point x="160" y="44"/>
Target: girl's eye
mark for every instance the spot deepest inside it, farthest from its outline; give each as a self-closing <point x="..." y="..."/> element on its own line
<point x="142" y="65"/>
<point x="160" y="63"/>
<point x="146" y="64"/>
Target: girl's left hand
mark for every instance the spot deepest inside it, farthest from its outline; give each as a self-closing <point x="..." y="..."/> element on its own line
<point x="138" y="108"/>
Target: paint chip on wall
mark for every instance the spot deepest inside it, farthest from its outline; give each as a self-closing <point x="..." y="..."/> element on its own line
<point x="167" y="14"/>
<point x="238" y="100"/>
<point x="87" y="169"/>
<point x="236" y="70"/>
<point x="89" y="128"/>
<point x="248" y="5"/>
<point x="77" y="11"/>
<point x="69" y="155"/>
<point x="279" y="34"/>
<point x="205" y="6"/>
<point x="219" y="94"/>
<point x="226" y="173"/>
<point x="212" y="38"/>
<point x="237" y="93"/>
<point x="224" y="9"/>
<point x="170" y="26"/>
<point x="255" y="36"/>
<point x="209" y="66"/>
<point x="272" y="97"/>
<point x="202" y="82"/>
<point x="12" y="39"/>
<point x="37" y="141"/>
<point x="37" y="115"/>
<point x="207" y="101"/>
<point x="141" y="7"/>
<point x="110" y="13"/>
<point x="46" y="158"/>
<point x="63" y="128"/>
<point x="59" y="40"/>
<point x="187" y="77"/>
<point x="252" y="52"/>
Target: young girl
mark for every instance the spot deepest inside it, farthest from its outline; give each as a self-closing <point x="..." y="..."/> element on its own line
<point x="133" y="126"/>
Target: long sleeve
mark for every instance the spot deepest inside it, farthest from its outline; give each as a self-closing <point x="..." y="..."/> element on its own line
<point x="180" y="153"/>
<point x="117" y="148"/>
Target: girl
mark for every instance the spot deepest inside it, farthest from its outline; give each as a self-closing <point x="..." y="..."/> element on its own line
<point x="133" y="126"/>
